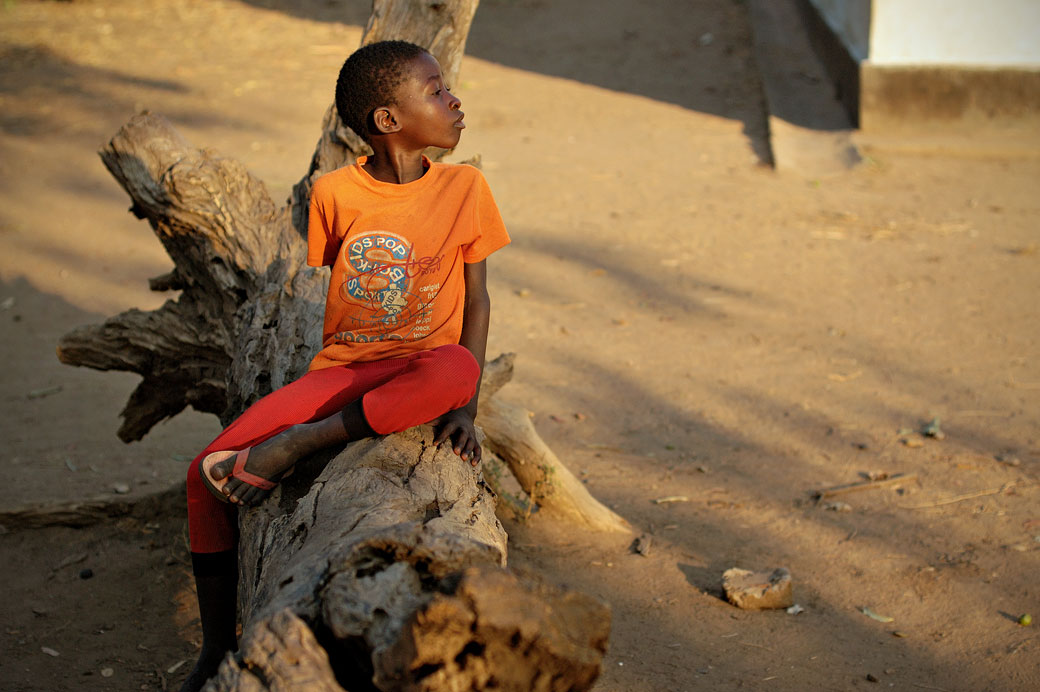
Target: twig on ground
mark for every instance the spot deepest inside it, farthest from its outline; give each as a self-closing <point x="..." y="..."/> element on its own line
<point x="967" y="496"/>
<point x="897" y="479"/>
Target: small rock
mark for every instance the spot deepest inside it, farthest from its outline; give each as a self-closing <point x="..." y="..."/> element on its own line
<point x="758" y="590"/>
<point x="49" y="651"/>
<point x="871" y="677"/>
<point x="121" y="488"/>
<point x="642" y="544"/>
<point x="795" y="609"/>
<point x="107" y="672"/>
<point x="837" y="506"/>
<point x="933" y="430"/>
<point x="86" y="573"/>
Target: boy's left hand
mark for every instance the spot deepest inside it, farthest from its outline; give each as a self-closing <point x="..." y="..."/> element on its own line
<point x="457" y="426"/>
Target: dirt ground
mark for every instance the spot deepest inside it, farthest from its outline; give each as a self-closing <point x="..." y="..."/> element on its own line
<point x="688" y="323"/>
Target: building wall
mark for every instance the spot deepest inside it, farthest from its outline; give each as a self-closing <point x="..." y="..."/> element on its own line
<point x="969" y="33"/>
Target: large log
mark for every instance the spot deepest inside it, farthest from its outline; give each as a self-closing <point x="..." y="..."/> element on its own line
<point x="382" y="568"/>
<point x="391" y="564"/>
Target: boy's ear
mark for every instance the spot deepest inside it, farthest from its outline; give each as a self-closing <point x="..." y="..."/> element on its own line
<point x="385" y="121"/>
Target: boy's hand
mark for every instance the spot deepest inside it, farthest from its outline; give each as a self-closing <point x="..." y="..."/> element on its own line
<point x="457" y="426"/>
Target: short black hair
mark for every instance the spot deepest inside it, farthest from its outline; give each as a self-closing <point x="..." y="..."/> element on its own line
<point x="368" y="79"/>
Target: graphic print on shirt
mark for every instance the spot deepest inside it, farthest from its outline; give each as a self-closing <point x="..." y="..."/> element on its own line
<point x="381" y="279"/>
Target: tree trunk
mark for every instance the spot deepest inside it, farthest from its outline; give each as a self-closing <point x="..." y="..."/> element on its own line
<point x="382" y="568"/>
<point x="391" y="564"/>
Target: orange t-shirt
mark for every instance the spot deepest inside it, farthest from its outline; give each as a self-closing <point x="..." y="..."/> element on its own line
<point x="397" y="254"/>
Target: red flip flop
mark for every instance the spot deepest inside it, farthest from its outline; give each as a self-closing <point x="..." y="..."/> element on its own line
<point x="216" y="486"/>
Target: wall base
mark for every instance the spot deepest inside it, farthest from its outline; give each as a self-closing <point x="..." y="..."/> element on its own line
<point x="948" y="97"/>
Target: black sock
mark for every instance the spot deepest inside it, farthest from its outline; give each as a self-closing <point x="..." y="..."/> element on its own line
<point x="354" y="421"/>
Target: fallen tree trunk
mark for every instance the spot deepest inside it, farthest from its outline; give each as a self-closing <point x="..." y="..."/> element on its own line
<point x="382" y="568"/>
<point x="391" y="564"/>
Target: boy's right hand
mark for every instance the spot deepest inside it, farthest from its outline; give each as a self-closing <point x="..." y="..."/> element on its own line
<point x="458" y="426"/>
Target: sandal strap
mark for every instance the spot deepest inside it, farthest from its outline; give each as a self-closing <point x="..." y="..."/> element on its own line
<point x="252" y="479"/>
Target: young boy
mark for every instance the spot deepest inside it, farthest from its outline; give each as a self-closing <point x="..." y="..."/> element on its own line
<point x="406" y="316"/>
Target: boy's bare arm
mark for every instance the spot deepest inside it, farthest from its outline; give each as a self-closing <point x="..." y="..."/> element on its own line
<point x="458" y="424"/>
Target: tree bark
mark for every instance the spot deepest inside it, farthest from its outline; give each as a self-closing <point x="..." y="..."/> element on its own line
<point x="546" y="481"/>
<point x="381" y="569"/>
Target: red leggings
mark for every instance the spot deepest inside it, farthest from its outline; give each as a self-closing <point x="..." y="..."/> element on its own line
<point x="396" y="394"/>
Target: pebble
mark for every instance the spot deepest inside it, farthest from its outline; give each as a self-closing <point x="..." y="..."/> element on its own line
<point x="107" y="672"/>
<point x="758" y="590"/>
<point x="642" y="544"/>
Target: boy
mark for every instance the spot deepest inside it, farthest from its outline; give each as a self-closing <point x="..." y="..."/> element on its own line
<point x="406" y="315"/>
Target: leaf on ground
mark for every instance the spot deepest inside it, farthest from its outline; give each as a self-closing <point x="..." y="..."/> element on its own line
<point x="876" y="616"/>
<point x="671" y="498"/>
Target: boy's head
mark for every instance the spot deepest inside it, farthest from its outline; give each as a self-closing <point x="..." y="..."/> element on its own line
<point x="369" y="79"/>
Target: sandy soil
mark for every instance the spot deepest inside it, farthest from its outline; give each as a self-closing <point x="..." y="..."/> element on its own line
<point x="688" y="323"/>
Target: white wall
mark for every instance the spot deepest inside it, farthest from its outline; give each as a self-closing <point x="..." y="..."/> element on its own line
<point x="982" y="33"/>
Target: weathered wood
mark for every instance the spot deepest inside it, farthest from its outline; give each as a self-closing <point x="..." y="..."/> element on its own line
<point x="371" y="557"/>
<point x="248" y="318"/>
<point x="547" y="482"/>
<point x="281" y="649"/>
<point x="95" y="510"/>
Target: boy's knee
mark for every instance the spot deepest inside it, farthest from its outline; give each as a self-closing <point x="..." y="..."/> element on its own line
<point x="464" y="360"/>
<point x="461" y="368"/>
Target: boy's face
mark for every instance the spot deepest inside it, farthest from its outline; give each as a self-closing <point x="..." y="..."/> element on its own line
<point x="427" y="112"/>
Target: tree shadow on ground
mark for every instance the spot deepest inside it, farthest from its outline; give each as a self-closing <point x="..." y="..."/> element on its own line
<point x="84" y="91"/>
<point x="696" y="55"/>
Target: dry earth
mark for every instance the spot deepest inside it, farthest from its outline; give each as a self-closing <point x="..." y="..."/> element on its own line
<point x="688" y="322"/>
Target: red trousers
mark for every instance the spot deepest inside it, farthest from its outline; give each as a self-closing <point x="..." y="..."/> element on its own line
<point x="396" y="394"/>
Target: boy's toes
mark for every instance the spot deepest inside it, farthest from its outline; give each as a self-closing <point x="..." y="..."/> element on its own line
<point x="248" y="496"/>
<point x="222" y="469"/>
<point x="233" y="489"/>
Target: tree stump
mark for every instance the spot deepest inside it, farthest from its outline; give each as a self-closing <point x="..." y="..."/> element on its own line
<point x="375" y="567"/>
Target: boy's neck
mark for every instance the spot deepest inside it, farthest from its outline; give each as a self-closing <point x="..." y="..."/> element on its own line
<point x="397" y="167"/>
